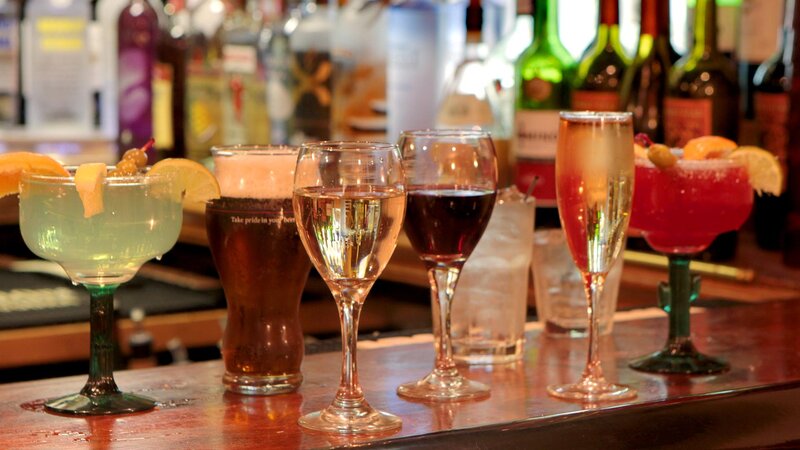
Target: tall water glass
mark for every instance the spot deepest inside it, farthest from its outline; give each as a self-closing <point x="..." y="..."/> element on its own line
<point x="594" y="187"/>
<point x="349" y="200"/>
<point x="452" y="185"/>
<point x="262" y="265"/>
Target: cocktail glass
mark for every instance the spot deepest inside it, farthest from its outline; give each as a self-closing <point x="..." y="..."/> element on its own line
<point x="594" y="185"/>
<point x="452" y="185"/>
<point x="679" y="211"/>
<point x="349" y="201"/>
<point x="141" y="220"/>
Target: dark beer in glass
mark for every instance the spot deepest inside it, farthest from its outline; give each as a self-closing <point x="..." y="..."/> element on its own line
<point x="262" y="265"/>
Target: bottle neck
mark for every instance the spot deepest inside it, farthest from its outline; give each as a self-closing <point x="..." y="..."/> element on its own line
<point x="655" y="18"/>
<point x="787" y="34"/>
<point x="609" y="12"/>
<point x="545" y="20"/>
<point x="705" y="28"/>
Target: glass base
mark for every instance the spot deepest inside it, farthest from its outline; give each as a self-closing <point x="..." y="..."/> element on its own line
<point x="119" y="403"/>
<point x="488" y="352"/>
<point x="262" y="385"/>
<point x="592" y="391"/>
<point x="679" y="360"/>
<point x="361" y="420"/>
<point x="443" y="388"/>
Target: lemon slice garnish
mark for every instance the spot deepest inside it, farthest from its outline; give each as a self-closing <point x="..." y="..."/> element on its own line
<point x="197" y="183"/>
<point x="12" y="165"/>
<point x="763" y="169"/>
<point x="89" y="180"/>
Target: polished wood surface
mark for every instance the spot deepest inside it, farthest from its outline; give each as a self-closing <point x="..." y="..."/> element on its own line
<point x="762" y="343"/>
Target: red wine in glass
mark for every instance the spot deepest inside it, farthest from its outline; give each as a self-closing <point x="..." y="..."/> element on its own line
<point x="445" y="224"/>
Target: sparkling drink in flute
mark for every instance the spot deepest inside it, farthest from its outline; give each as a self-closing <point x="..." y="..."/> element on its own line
<point x="594" y="185"/>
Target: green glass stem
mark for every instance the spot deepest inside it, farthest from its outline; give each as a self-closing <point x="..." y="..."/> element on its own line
<point x="676" y="297"/>
<point x="679" y="356"/>
<point x="101" y="356"/>
<point x="100" y="395"/>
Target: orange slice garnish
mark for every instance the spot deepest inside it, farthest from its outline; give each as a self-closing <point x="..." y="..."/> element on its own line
<point x="708" y="147"/>
<point x="12" y="165"/>
<point x="89" y="180"/>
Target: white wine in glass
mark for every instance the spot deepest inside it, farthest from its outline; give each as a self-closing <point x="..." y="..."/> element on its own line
<point x="349" y="201"/>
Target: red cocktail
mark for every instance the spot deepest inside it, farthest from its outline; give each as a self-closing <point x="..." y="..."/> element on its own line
<point x="680" y="210"/>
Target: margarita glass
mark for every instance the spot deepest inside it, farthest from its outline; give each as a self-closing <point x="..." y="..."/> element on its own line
<point x="141" y="219"/>
<point x="680" y="210"/>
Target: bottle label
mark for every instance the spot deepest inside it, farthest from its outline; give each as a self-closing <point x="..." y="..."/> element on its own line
<point x="59" y="83"/>
<point x="758" y="38"/>
<point x="460" y="110"/>
<point x="9" y="80"/>
<point x="203" y="117"/>
<point x="162" y="106"/>
<point x="595" y="101"/>
<point x="537" y="134"/>
<point x="686" y="118"/>
<point x="312" y="73"/>
<point x="772" y="115"/>
<point x="239" y="59"/>
<point x="135" y="97"/>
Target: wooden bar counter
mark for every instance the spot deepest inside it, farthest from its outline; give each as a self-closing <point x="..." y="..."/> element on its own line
<point x="755" y="404"/>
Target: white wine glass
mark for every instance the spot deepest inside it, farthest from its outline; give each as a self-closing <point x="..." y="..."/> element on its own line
<point x="349" y="202"/>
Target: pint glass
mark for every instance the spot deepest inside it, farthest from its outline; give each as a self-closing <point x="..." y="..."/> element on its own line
<point x="262" y="265"/>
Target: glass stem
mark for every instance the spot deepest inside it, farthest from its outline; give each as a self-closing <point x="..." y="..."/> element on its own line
<point x="594" y="289"/>
<point x="349" y="394"/>
<point x="101" y="356"/>
<point x="681" y="291"/>
<point x="443" y="281"/>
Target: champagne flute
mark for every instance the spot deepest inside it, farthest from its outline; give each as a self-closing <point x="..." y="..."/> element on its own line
<point x="452" y="185"/>
<point x="349" y="201"/>
<point x="594" y="187"/>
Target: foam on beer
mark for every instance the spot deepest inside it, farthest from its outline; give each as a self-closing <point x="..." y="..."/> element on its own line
<point x="256" y="176"/>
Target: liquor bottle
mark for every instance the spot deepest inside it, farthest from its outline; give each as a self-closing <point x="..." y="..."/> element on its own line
<point x="791" y="243"/>
<point x="728" y="14"/>
<point x="703" y="93"/>
<point x="311" y="68"/>
<point x="425" y="45"/>
<point x="136" y="52"/>
<point x="274" y="46"/>
<point x="644" y="85"/>
<point x="359" y="76"/>
<point x="169" y="82"/>
<point x="9" y="63"/>
<point x="771" y="85"/>
<point x="759" y="24"/>
<point x="602" y="66"/>
<point x="244" y="101"/>
<point x="56" y="69"/>
<point x="500" y="67"/>
<point x="544" y="73"/>
<point x="703" y="99"/>
<point x="203" y="99"/>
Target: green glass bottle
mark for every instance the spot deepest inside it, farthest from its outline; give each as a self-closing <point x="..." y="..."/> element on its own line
<point x="703" y="94"/>
<point x="602" y="66"/>
<point x="644" y="85"/>
<point x="544" y="72"/>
